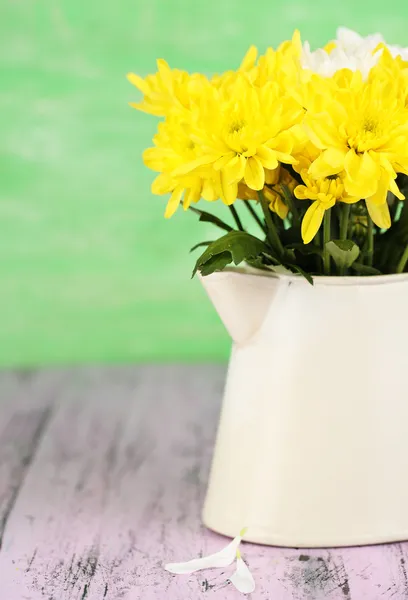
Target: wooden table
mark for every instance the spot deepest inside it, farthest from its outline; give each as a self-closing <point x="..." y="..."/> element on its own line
<point x="102" y="479"/>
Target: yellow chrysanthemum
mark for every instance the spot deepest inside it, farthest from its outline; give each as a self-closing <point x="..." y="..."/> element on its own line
<point x="241" y="131"/>
<point x="168" y="90"/>
<point x="394" y="70"/>
<point x="324" y="192"/>
<point x="363" y="131"/>
<point x="174" y="147"/>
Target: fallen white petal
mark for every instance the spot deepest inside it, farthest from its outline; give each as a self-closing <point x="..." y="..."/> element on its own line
<point x="242" y="578"/>
<point x="223" y="558"/>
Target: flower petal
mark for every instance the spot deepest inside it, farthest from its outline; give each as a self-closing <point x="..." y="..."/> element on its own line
<point x="192" y="194"/>
<point x="363" y="174"/>
<point x="174" y="201"/>
<point x="242" y="578"/>
<point x="139" y="83"/>
<point x="254" y="174"/>
<point x="321" y="132"/>
<point x="395" y="190"/>
<point x="380" y="214"/>
<point x="249" y="59"/>
<point x="223" y="558"/>
<point x="223" y="160"/>
<point x="302" y="192"/>
<point x="194" y="164"/>
<point x="163" y="184"/>
<point x="320" y="168"/>
<point x="311" y="221"/>
<point x="267" y="157"/>
<point x="229" y="191"/>
<point x="234" y="170"/>
<point x="335" y="157"/>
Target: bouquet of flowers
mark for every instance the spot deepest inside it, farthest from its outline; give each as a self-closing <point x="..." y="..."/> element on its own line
<point x="310" y="145"/>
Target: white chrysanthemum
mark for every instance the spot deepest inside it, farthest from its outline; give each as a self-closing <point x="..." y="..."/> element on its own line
<point x="350" y="51"/>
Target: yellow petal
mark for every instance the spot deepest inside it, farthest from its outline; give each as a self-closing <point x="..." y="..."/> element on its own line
<point x="194" y="164"/>
<point x="363" y="174"/>
<point x="272" y="177"/>
<point x="155" y="158"/>
<point x="267" y="157"/>
<point x="223" y="161"/>
<point x="234" y="170"/>
<point x="210" y="190"/>
<point x="174" y="201"/>
<point x="311" y="221"/>
<point x="249" y="59"/>
<point x="301" y="192"/>
<point x="229" y="191"/>
<point x="321" y="133"/>
<point x="165" y="73"/>
<point x="254" y="174"/>
<point x="163" y="184"/>
<point x="335" y="158"/>
<point x="276" y="204"/>
<point x="320" y="168"/>
<point x="380" y="214"/>
<point x="193" y="194"/>
<point x="139" y="83"/>
<point x="283" y="143"/>
<point x="143" y="107"/>
<point x="286" y="158"/>
<point x="395" y="190"/>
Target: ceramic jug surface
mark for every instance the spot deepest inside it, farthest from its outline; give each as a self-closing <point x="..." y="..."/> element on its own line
<point x="312" y="446"/>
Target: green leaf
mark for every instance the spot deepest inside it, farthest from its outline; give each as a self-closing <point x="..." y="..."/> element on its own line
<point x="216" y="263"/>
<point x="343" y="252"/>
<point x="289" y="255"/>
<point x="306" y="249"/>
<point x="201" y="244"/>
<point x="258" y="263"/>
<point x="365" y="269"/>
<point x="209" y="218"/>
<point x="235" y="246"/>
<point x="271" y="259"/>
<point x="297" y="269"/>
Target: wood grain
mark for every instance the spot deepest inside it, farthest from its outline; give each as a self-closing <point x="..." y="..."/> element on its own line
<point x="22" y="424"/>
<point x="103" y="474"/>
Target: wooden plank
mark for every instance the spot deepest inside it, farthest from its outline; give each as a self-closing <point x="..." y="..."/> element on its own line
<point x="116" y="488"/>
<point x="26" y="402"/>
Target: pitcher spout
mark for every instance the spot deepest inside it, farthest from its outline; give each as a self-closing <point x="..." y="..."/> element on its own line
<point x="241" y="300"/>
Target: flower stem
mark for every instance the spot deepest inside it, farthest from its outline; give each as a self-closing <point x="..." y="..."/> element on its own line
<point x="326" y="238"/>
<point x="236" y="217"/>
<point x="370" y="241"/>
<point x="404" y="259"/>
<point x="344" y="222"/>
<point x="251" y="209"/>
<point x="344" y="226"/>
<point x="271" y="231"/>
<point x="291" y="204"/>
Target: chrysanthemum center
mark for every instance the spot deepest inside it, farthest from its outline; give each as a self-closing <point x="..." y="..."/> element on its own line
<point x="369" y="130"/>
<point x="370" y="126"/>
<point x="236" y="126"/>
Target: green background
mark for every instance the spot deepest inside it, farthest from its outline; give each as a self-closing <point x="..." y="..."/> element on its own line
<point x="89" y="269"/>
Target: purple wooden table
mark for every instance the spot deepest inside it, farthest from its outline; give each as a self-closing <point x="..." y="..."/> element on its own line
<point x="102" y="479"/>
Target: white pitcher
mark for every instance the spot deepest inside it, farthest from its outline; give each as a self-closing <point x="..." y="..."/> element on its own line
<point x="312" y="446"/>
